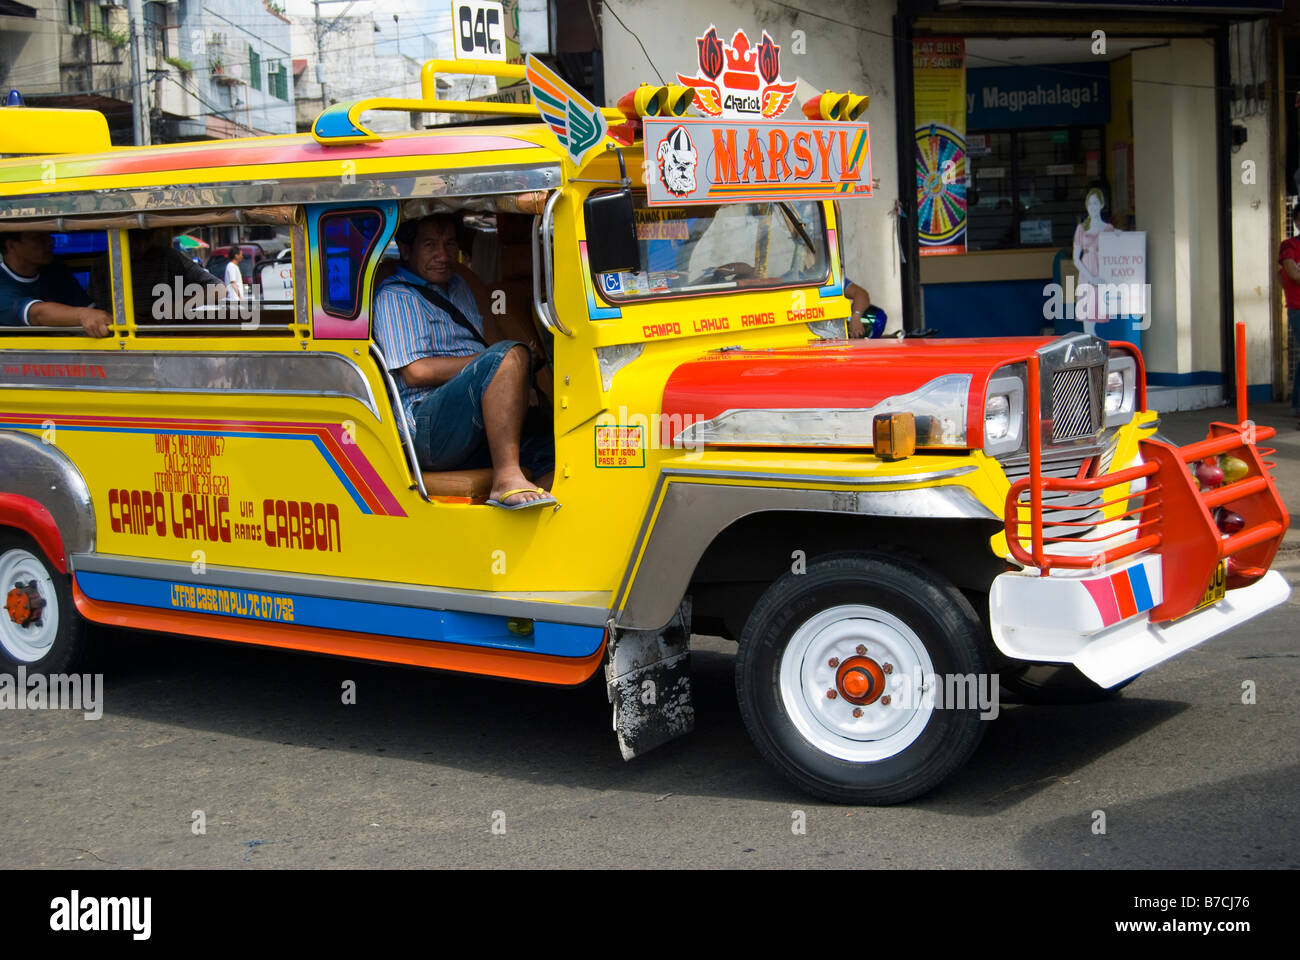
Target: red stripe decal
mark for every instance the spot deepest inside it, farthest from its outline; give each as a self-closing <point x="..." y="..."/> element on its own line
<point x="1124" y="594"/>
<point x="1103" y="595"/>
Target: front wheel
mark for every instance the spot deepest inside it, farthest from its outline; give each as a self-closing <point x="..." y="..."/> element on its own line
<point x="40" y="628"/>
<point x="846" y="678"/>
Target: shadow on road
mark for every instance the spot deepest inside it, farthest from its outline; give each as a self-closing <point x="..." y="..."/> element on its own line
<point x="1212" y="826"/>
<point x="559" y="736"/>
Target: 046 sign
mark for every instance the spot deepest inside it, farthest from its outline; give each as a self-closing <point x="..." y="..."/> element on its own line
<point x="479" y="28"/>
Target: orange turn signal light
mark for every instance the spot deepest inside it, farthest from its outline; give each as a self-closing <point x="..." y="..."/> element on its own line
<point x="894" y="435"/>
<point x="836" y="106"/>
<point x="668" y="100"/>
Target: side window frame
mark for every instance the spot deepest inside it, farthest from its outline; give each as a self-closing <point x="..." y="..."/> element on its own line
<point x="325" y="324"/>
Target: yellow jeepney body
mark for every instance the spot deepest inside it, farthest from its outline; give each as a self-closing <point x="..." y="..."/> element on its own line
<point x="256" y="481"/>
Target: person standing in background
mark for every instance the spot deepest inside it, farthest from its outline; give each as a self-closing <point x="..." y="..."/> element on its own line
<point x="1288" y="260"/>
<point x="234" y="277"/>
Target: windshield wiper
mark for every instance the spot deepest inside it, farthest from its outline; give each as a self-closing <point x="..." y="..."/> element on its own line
<point x="797" y="224"/>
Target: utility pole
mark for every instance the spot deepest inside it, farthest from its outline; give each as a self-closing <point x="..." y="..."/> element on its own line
<point x="321" y="30"/>
<point x="139" y="97"/>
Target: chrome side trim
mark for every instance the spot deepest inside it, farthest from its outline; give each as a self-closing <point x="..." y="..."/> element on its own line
<point x="301" y="271"/>
<point x="940" y="407"/>
<point x="115" y="257"/>
<point x="693" y="514"/>
<point x="548" y="255"/>
<point x="43" y="472"/>
<point x="399" y="414"/>
<point x="538" y="306"/>
<point x="820" y="478"/>
<point x="257" y="193"/>
<point x="264" y="373"/>
<point x="569" y="607"/>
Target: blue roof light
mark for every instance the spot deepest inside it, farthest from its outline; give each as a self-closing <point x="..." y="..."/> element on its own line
<point x="15" y="99"/>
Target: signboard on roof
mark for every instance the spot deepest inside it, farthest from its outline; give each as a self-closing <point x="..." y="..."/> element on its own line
<point x="726" y="161"/>
<point x="738" y="80"/>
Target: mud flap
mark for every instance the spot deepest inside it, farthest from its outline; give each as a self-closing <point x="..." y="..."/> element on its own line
<point x="648" y="679"/>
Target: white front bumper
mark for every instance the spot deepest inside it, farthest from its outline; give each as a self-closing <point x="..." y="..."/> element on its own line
<point x="1058" y="619"/>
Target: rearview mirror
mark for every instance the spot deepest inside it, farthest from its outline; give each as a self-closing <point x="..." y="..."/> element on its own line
<point x="611" y="233"/>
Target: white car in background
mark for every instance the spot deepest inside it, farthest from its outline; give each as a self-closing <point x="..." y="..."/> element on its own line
<point x="277" y="278"/>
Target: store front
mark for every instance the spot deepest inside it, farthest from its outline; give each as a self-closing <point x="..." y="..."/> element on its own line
<point x="1073" y="173"/>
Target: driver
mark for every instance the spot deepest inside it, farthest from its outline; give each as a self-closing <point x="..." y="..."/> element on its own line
<point x="465" y="401"/>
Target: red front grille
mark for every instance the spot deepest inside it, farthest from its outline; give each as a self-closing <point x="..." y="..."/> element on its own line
<point x="1171" y="516"/>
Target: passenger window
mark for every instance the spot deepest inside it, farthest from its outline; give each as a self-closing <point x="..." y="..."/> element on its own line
<point x="346" y="241"/>
<point x="79" y="252"/>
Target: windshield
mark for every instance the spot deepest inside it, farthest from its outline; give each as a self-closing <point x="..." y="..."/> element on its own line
<point x="717" y="248"/>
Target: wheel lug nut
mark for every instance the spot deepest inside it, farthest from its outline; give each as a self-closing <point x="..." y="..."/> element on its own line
<point x="857" y="711"/>
<point x="862" y="649"/>
<point x="887" y="668"/>
<point x="831" y="694"/>
<point x="884" y="701"/>
<point x="833" y="662"/>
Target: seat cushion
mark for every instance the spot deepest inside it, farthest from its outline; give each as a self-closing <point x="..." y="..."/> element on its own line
<point x="461" y="484"/>
<point x="469" y="484"/>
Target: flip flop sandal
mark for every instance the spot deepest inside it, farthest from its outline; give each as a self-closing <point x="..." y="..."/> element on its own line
<point x="545" y="501"/>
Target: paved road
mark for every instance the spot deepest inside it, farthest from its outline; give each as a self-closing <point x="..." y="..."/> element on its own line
<point x="417" y="772"/>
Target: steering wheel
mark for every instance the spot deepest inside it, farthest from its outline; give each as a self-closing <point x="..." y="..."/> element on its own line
<point x="729" y="272"/>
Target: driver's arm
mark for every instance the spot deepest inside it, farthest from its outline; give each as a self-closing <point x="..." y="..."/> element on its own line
<point x="433" y="371"/>
<point x="861" y="301"/>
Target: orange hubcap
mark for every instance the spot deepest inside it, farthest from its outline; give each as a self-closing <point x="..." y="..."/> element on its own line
<point x="24" y="604"/>
<point x="860" y="680"/>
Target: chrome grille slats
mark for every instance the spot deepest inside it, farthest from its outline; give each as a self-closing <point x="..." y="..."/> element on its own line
<point x="1071" y="404"/>
<point x="1082" y="505"/>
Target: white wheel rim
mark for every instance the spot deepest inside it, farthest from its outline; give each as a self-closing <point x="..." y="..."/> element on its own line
<point x="29" y="643"/>
<point x="886" y="726"/>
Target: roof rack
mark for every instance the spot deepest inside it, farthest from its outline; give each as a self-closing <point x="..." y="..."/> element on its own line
<point x="340" y="124"/>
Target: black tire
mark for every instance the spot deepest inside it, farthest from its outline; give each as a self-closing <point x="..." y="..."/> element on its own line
<point x="20" y="558"/>
<point x="1057" y="683"/>
<point x="932" y="609"/>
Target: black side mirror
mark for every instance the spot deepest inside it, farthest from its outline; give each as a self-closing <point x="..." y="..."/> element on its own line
<point x="611" y="233"/>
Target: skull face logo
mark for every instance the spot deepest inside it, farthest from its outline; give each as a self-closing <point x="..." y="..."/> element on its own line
<point x="677" y="160"/>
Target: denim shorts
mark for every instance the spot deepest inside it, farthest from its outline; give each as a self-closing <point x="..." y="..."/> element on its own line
<point x="449" y="432"/>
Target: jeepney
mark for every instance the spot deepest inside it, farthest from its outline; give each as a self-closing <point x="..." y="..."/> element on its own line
<point x="867" y="520"/>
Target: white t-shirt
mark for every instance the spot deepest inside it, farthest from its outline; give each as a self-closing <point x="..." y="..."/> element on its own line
<point x="234" y="281"/>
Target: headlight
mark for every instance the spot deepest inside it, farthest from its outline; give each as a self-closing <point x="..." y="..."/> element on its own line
<point x="1004" y="415"/>
<point x="829" y="329"/>
<point x="1121" y="390"/>
<point x="997" y="417"/>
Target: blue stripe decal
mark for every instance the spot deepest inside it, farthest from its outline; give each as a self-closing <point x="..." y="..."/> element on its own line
<point x="329" y="459"/>
<point x="1137" y="579"/>
<point x="380" y="619"/>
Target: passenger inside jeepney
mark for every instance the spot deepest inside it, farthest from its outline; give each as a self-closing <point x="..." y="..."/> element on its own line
<point x="465" y="400"/>
<point x="38" y="290"/>
<point x="166" y="285"/>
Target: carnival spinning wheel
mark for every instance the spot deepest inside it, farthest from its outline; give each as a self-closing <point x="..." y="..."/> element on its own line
<point x="940" y="199"/>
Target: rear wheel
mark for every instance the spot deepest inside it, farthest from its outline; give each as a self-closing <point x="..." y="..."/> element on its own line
<point x="837" y="677"/>
<point x="40" y="628"/>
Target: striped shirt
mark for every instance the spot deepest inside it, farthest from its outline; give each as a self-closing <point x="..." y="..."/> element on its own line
<point x="408" y="327"/>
